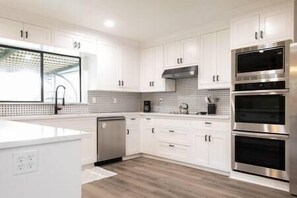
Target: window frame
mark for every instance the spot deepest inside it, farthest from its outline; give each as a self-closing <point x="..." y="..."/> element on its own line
<point x="42" y="73"/>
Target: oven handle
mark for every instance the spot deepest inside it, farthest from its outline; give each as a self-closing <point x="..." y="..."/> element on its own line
<point x="259" y="135"/>
<point x="261" y="92"/>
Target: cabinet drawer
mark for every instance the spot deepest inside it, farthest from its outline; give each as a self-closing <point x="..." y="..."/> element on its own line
<point x="173" y="151"/>
<point x="132" y="120"/>
<point x="176" y="123"/>
<point x="173" y="135"/>
<point x="210" y="125"/>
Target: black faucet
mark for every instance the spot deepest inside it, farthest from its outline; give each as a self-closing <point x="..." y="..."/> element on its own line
<point x="56" y="99"/>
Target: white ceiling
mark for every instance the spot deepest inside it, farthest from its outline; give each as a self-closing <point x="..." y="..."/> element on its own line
<point x="138" y="20"/>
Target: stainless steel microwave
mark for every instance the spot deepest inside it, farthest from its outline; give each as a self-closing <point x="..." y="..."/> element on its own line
<point x="263" y="63"/>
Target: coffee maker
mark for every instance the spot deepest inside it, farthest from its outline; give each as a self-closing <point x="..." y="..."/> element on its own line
<point x="147" y="106"/>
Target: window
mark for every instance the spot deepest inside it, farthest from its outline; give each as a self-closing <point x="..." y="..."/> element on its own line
<point x="32" y="76"/>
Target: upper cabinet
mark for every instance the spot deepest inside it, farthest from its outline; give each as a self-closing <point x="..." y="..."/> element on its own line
<point x="152" y="67"/>
<point x="72" y="41"/>
<point x="215" y="60"/>
<point x="268" y="26"/>
<point x="181" y="53"/>
<point x="117" y="68"/>
<point x="129" y="74"/>
<point x="25" y="32"/>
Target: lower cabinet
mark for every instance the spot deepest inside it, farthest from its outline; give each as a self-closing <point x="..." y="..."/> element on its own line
<point x="197" y="142"/>
<point x="132" y="135"/>
<point x="210" y="149"/>
<point x="148" y="141"/>
<point x="173" y="151"/>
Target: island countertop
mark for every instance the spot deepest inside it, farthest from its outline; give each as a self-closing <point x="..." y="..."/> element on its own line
<point x="18" y="134"/>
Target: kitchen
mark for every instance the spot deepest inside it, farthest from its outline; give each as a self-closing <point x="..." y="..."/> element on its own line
<point x="96" y="102"/>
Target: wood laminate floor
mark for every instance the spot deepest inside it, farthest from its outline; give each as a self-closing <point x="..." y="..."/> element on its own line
<point x="143" y="177"/>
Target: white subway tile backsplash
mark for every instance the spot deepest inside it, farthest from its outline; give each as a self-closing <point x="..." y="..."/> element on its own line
<point x="187" y="92"/>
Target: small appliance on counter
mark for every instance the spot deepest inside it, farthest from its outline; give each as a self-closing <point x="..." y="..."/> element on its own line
<point x="211" y="105"/>
<point x="184" y="108"/>
<point x="147" y="106"/>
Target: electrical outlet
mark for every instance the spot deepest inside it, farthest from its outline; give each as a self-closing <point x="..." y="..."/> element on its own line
<point x="160" y="100"/>
<point x="93" y="100"/>
<point x="115" y="100"/>
<point x="25" y="162"/>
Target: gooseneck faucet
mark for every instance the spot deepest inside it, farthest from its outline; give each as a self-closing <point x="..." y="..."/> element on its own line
<point x="56" y="99"/>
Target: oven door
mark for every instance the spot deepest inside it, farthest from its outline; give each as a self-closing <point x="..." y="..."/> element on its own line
<point x="260" y="154"/>
<point x="260" y="111"/>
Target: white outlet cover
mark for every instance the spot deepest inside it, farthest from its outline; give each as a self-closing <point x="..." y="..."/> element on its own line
<point x="25" y="162"/>
<point x="115" y="100"/>
<point x="94" y="100"/>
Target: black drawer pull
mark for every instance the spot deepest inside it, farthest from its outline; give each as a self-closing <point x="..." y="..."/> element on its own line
<point x="171" y="145"/>
<point x="133" y="118"/>
<point x="207" y="122"/>
<point x="171" y="131"/>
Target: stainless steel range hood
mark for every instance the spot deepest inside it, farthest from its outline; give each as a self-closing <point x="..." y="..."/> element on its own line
<point x="178" y="73"/>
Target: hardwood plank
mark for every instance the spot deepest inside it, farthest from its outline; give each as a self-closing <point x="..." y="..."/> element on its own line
<point x="143" y="177"/>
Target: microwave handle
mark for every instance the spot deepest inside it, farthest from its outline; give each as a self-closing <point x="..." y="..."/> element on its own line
<point x="261" y="135"/>
<point x="261" y="92"/>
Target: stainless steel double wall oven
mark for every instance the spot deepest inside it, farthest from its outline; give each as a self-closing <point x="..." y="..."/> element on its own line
<point x="260" y="103"/>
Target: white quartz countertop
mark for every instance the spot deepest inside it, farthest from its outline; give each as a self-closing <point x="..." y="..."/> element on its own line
<point x="65" y="116"/>
<point x="17" y="134"/>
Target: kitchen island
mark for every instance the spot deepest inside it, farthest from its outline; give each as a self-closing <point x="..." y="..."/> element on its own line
<point x="39" y="161"/>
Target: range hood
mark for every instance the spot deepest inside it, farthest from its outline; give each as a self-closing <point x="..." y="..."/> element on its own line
<point x="179" y="73"/>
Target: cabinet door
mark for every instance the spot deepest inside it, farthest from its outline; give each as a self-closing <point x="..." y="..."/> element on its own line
<point x="147" y="68"/>
<point x="130" y="69"/>
<point x="37" y="34"/>
<point x="245" y="32"/>
<point x="11" y="29"/>
<point x="108" y="67"/>
<point x="148" y="141"/>
<point x="277" y="25"/>
<point x="208" y="56"/>
<point x="158" y="81"/>
<point x="64" y="40"/>
<point x="132" y="139"/>
<point x="218" y="151"/>
<point x="223" y="77"/>
<point x="87" y="45"/>
<point x="200" y="149"/>
<point x="190" y="51"/>
<point x="172" y="53"/>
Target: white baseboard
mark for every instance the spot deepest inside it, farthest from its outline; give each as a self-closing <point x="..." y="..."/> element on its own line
<point x="272" y="183"/>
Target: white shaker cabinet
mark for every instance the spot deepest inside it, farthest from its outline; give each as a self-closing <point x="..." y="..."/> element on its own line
<point x="215" y="61"/>
<point x="210" y="149"/>
<point x="108" y="67"/>
<point x="181" y="53"/>
<point x="148" y="138"/>
<point x="217" y="150"/>
<point x="117" y="68"/>
<point x="132" y="135"/>
<point x="25" y="32"/>
<point x="152" y="67"/>
<point x="129" y="69"/>
<point x="11" y="29"/>
<point x="266" y="26"/>
<point x="74" y="42"/>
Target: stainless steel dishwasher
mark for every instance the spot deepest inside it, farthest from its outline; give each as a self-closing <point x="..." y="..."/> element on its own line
<point x="111" y="139"/>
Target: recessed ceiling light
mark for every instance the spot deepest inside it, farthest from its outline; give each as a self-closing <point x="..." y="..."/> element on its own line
<point x="109" y="23"/>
